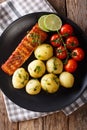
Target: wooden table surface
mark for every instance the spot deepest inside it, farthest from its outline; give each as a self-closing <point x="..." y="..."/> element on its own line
<point x="77" y="11"/>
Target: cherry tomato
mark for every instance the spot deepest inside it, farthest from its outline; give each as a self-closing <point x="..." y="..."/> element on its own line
<point x="72" y="42"/>
<point x="56" y="40"/>
<point x="66" y="30"/>
<point x="71" y="66"/>
<point x="61" y="52"/>
<point x="78" y="54"/>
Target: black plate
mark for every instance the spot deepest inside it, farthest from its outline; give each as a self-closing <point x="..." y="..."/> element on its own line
<point x="42" y="102"/>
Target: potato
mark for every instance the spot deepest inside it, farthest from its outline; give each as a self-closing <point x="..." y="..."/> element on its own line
<point x="36" y="68"/>
<point x="50" y="83"/>
<point x="66" y="79"/>
<point x="33" y="87"/>
<point x="54" y="65"/>
<point x="20" y="78"/>
<point x="43" y="52"/>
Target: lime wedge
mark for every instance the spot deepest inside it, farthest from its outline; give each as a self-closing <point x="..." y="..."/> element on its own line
<point x="52" y="22"/>
<point x="41" y="23"/>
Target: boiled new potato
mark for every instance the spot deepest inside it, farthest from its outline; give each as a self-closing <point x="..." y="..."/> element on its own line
<point x="54" y="65"/>
<point x="33" y="87"/>
<point x="36" y="68"/>
<point x="66" y="79"/>
<point x="43" y="52"/>
<point x="20" y="78"/>
<point x="50" y="83"/>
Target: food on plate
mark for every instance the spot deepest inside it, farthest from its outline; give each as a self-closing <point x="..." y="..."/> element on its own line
<point x="36" y="68"/>
<point x="71" y="65"/>
<point x="78" y="54"/>
<point x="72" y="42"/>
<point x="66" y="30"/>
<point x="41" y="23"/>
<point x="50" y="22"/>
<point x="56" y="40"/>
<point x="66" y="79"/>
<point x="61" y="52"/>
<point x="24" y="49"/>
<point x="20" y="78"/>
<point x="54" y="65"/>
<point x="33" y="87"/>
<point x="54" y="61"/>
<point x="50" y="83"/>
<point x="43" y="52"/>
<point x="67" y="47"/>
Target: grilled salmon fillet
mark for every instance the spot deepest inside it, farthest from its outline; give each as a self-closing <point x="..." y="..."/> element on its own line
<point x="24" y="49"/>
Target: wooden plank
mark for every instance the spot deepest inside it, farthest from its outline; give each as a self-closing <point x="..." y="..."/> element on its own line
<point x="51" y="122"/>
<point x="2" y="1"/>
<point x="59" y="5"/>
<point x="78" y="120"/>
<point x="57" y="121"/>
<point x="77" y="11"/>
<point x="35" y="124"/>
<point x="4" y="122"/>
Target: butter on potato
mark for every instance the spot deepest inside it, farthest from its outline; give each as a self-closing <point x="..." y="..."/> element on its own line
<point x="36" y="68"/>
<point x="54" y="65"/>
<point x="50" y="83"/>
<point x="20" y="78"/>
<point x="33" y="87"/>
<point x="44" y="52"/>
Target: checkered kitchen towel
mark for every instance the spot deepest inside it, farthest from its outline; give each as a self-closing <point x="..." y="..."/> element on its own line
<point x="10" y="11"/>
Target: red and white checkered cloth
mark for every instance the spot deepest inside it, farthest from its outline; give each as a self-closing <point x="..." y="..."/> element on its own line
<point x="10" y="11"/>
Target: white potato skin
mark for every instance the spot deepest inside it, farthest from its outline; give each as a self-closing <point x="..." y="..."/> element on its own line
<point x="33" y="87"/>
<point x="36" y="68"/>
<point x="20" y="78"/>
<point x="66" y="79"/>
<point x="50" y="83"/>
<point x="44" y="52"/>
<point x="54" y="65"/>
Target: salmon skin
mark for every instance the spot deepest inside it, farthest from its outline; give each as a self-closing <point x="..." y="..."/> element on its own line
<point x="24" y="49"/>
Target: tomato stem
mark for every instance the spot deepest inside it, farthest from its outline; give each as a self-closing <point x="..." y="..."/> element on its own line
<point x="68" y="54"/>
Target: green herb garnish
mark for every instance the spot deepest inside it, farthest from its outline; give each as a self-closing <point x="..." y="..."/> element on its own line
<point x="37" y="69"/>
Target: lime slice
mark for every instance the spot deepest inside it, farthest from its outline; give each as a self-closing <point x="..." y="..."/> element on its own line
<point x="52" y="22"/>
<point x="41" y="23"/>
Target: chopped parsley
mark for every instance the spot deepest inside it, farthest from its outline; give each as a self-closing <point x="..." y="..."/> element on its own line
<point x="37" y="69"/>
<point x="35" y="88"/>
<point x="48" y="46"/>
<point x="35" y="38"/>
<point x="54" y="65"/>
<point x="56" y="79"/>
